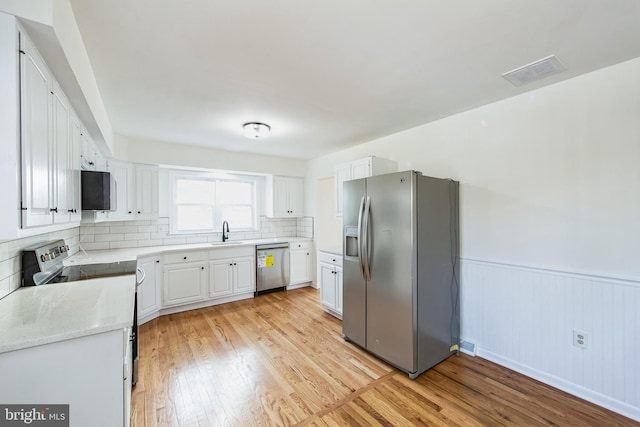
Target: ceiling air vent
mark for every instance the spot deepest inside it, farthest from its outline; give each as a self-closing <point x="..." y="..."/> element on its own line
<point x="537" y="70"/>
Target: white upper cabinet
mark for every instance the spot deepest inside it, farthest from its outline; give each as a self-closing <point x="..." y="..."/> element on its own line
<point x="285" y="196"/>
<point x="41" y="141"/>
<point x="146" y="191"/>
<point x="73" y="178"/>
<point x="87" y="152"/>
<point x="136" y="191"/>
<point x="60" y="114"/>
<point x="123" y="174"/>
<point x="50" y="142"/>
<point x="37" y="145"/>
<point x="362" y="168"/>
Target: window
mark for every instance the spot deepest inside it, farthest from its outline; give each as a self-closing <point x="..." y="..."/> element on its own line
<point x="200" y="203"/>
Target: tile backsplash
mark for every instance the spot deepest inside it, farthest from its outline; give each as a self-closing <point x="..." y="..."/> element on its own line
<point x="10" y="251"/>
<point x="134" y="234"/>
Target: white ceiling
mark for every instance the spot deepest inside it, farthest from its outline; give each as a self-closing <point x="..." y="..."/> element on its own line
<point x="328" y="74"/>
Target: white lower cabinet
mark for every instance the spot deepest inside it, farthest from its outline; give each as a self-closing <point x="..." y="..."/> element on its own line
<point x="330" y="281"/>
<point x="92" y="374"/>
<point x="245" y="275"/>
<point x="232" y="271"/>
<point x="184" y="278"/>
<point x="193" y="279"/>
<point x="301" y="263"/>
<point x="149" y="291"/>
<point x="220" y="278"/>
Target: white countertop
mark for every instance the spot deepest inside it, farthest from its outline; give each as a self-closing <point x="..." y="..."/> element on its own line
<point x="335" y="250"/>
<point x="131" y="254"/>
<point x="38" y="315"/>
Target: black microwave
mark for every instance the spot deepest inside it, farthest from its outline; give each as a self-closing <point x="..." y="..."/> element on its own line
<point x="98" y="191"/>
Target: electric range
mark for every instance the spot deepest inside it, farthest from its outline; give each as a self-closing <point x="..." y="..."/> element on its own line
<point x="43" y="264"/>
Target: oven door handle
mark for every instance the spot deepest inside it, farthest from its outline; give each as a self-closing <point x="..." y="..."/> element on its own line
<point x="143" y="275"/>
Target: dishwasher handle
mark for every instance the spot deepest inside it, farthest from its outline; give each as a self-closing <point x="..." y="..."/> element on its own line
<point x="272" y="246"/>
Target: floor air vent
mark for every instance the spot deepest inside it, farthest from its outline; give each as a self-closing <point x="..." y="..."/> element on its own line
<point x="468" y="348"/>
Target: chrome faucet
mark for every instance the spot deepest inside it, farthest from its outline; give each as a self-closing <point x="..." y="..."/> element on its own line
<point x="225" y="237"/>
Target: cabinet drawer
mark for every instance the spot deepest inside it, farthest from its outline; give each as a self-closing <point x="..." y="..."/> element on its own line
<point x="299" y="245"/>
<point x="180" y="257"/>
<point x="330" y="258"/>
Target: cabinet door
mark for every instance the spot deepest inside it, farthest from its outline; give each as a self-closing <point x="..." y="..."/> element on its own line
<point x="280" y="197"/>
<point x="146" y="192"/>
<point x="342" y="174"/>
<point x="328" y="295"/>
<point x="296" y="196"/>
<point x="149" y="290"/>
<point x="37" y="148"/>
<point x="361" y="168"/>
<point x="220" y="278"/>
<point x="87" y="152"/>
<point x="183" y="283"/>
<point x="244" y="275"/>
<point x="73" y="179"/>
<point x="123" y="173"/>
<point x="285" y="197"/>
<point x="301" y="266"/>
<point x="61" y="163"/>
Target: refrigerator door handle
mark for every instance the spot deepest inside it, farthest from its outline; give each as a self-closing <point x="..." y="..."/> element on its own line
<point x="366" y="244"/>
<point x="360" y="252"/>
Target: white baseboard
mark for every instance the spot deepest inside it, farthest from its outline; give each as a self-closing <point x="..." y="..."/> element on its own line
<point x="571" y="388"/>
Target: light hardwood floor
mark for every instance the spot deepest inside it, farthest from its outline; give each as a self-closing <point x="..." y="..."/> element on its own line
<point x="278" y="359"/>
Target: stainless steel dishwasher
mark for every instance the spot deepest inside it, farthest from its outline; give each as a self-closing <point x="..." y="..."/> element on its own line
<point x="272" y="267"/>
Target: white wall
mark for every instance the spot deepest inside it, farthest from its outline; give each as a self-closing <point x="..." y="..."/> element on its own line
<point x="550" y="187"/>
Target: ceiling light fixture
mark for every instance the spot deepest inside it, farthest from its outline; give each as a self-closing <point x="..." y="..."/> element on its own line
<point x="256" y="130"/>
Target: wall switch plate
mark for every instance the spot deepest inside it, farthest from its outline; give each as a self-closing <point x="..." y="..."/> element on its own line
<point x="580" y="339"/>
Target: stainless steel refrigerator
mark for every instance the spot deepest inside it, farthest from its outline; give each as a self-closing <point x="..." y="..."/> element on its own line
<point x="400" y="266"/>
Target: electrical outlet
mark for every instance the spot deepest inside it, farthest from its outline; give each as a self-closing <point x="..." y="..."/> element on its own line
<point x="580" y="339"/>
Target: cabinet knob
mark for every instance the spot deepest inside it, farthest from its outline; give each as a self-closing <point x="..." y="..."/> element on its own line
<point x="129" y="211"/>
<point x="201" y="268"/>
<point x="53" y="210"/>
<point x="157" y="261"/>
<point x="185" y="258"/>
<point x="139" y="212"/>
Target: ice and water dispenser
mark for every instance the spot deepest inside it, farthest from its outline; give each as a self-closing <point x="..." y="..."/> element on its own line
<point x="351" y="242"/>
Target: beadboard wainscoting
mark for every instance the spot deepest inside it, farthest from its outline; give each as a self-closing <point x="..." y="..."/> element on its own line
<point x="11" y="250"/>
<point x="524" y="318"/>
<point x="134" y="234"/>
